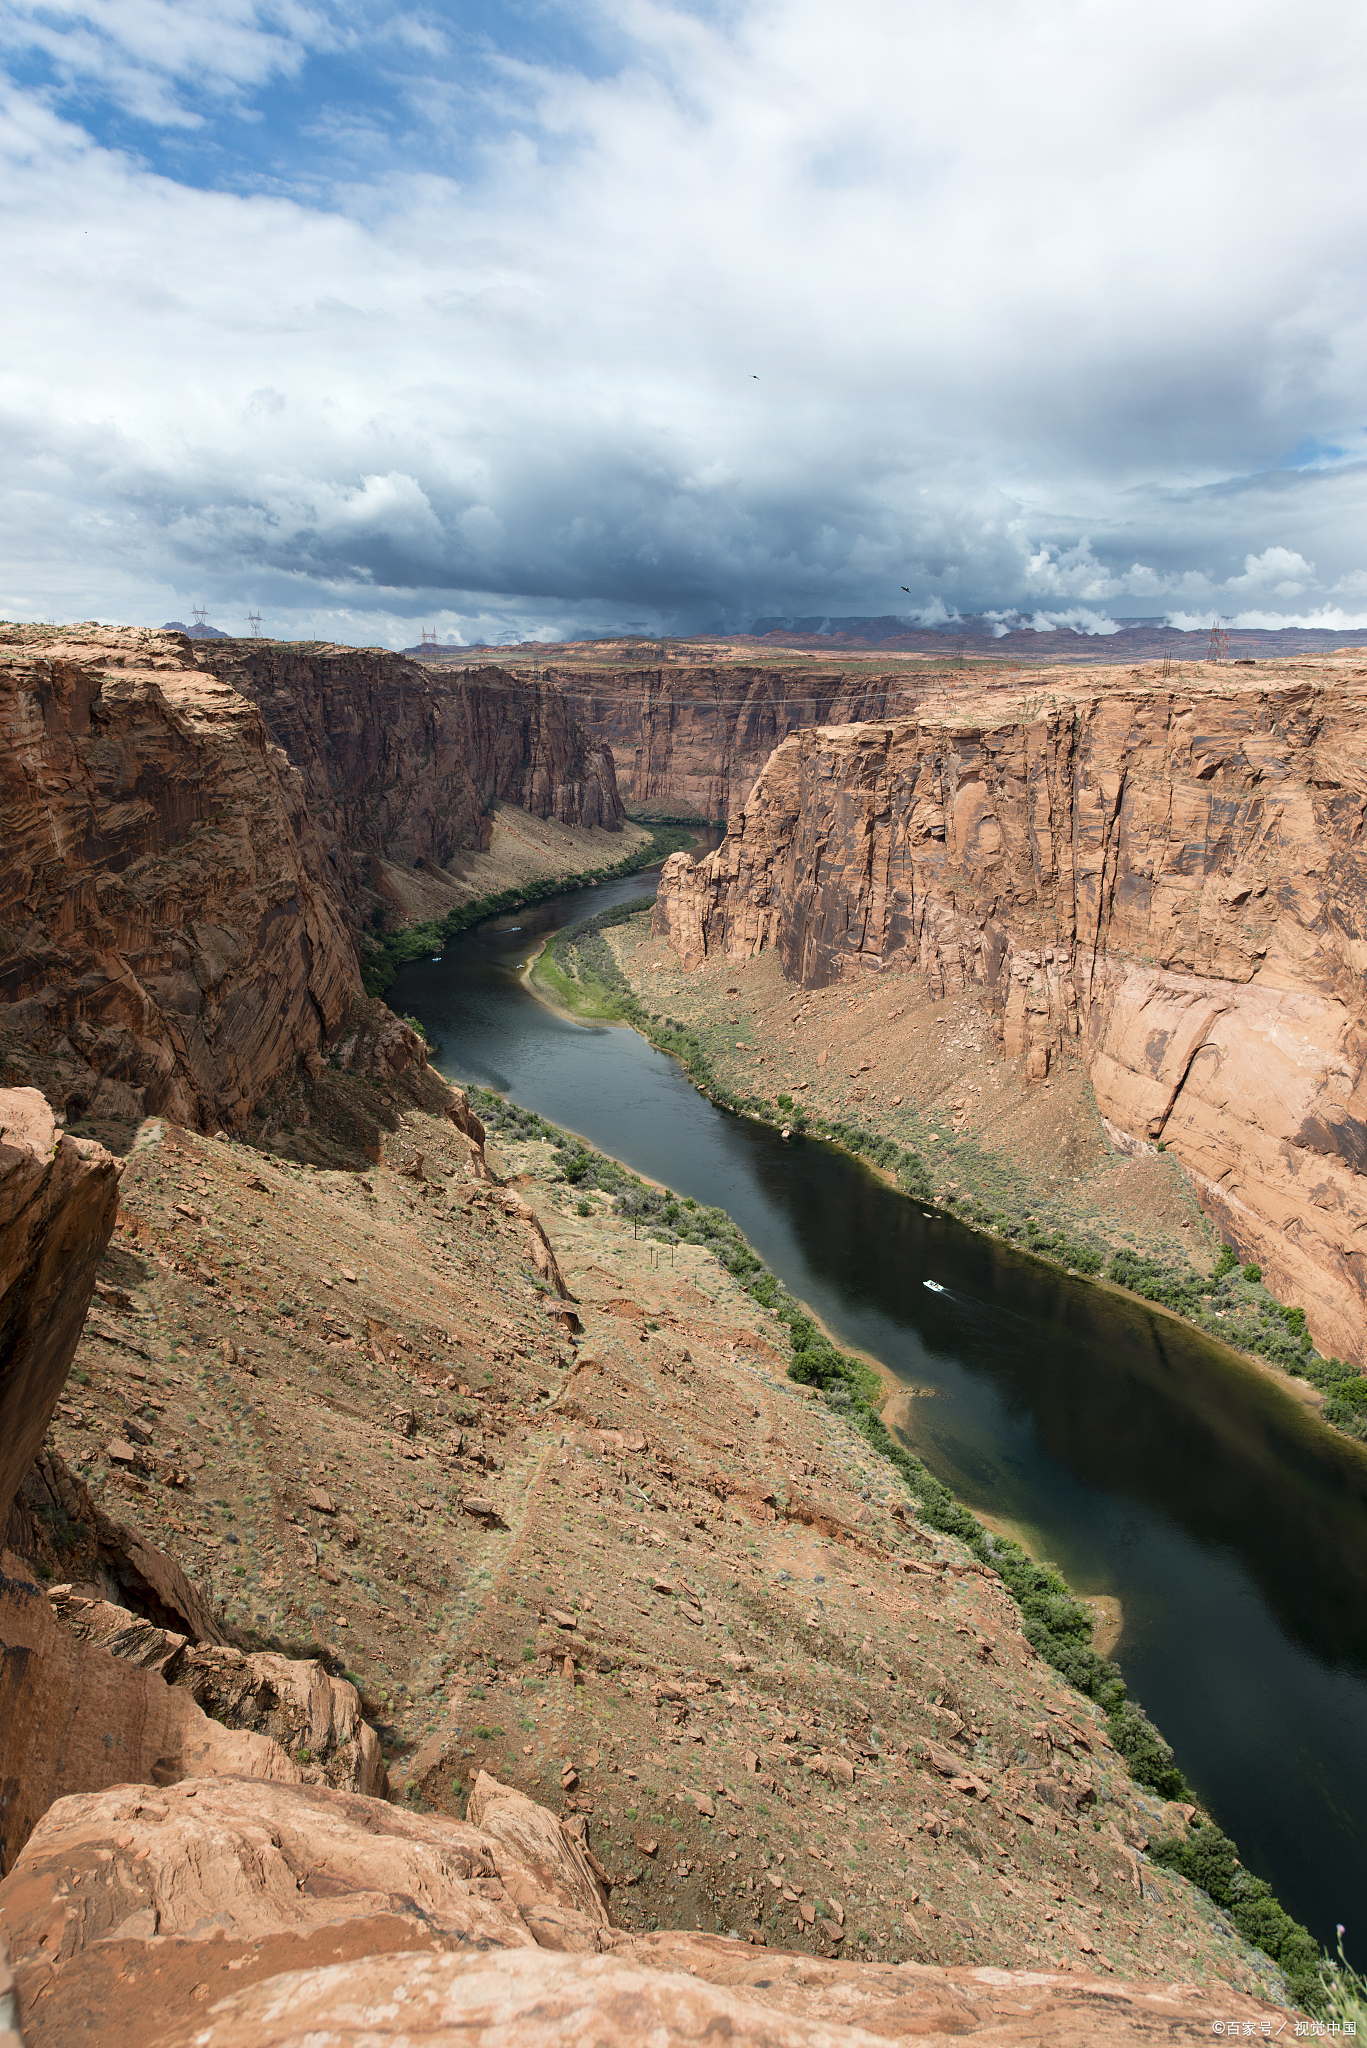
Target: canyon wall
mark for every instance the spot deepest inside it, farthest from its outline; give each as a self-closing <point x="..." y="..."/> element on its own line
<point x="1174" y="881"/>
<point x="691" y="739"/>
<point x="405" y="762"/>
<point x="184" y="832"/>
<point x="170" y="937"/>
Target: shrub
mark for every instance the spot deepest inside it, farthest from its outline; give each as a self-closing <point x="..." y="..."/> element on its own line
<point x="1208" y="1858"/>
<point x="1150" y="1759"/>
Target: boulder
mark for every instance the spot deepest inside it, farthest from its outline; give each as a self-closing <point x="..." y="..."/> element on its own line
<point x="293" y="1700"/>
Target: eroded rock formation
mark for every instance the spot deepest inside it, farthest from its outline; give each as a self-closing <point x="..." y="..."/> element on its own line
<point x="1175" y="880"/>
<point x="170" y="938"/>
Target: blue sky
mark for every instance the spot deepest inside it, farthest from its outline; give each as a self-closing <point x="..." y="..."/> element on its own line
<point x="539" y="320"/>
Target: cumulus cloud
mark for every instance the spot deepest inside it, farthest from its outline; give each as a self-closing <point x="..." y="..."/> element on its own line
<point x="1278" y="571"/>
<point x="648" y="316"/>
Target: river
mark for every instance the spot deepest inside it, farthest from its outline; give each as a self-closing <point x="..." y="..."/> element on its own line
<point x="1147" y="1463"/>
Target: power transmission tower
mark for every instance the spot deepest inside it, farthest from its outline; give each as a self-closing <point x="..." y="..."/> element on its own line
<point x="1219" y="642"/>
<point x="200" y="615"/>
<point x="429" y="639"/>
<point x="254" y="621"/>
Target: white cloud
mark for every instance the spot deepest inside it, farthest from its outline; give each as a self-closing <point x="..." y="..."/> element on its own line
<point x="1078" y="617"/>
<point x="1325" y="618"/>
<point x="753" y="315"/>
<point x="1280" y="571"/>
<point x="159" y="59"/>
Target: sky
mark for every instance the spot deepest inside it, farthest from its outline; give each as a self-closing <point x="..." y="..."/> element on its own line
<point x="535" y="321"/>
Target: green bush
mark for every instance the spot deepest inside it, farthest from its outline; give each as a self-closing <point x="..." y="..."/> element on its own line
<point x="1150" y="1759"/>
<point x="1208" y="1858"/>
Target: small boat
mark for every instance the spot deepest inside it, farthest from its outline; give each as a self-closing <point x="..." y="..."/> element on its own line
<point x="934" y="1286"/>
<point x="436" y="959"/>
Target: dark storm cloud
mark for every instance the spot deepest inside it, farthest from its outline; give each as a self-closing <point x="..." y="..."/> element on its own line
<point x="699" y="318"/>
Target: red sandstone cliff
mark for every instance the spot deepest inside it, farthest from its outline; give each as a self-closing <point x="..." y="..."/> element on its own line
<point x="693" y="738"/>
<point x="1176" y="880"/>
<point x="404" y="762"/>
<point x="169" y="936"/>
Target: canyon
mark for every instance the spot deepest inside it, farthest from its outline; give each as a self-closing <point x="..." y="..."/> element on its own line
<point x="1169" y="885"/>
<point x="402" y="764"/>
<point x="424" y="1613"/>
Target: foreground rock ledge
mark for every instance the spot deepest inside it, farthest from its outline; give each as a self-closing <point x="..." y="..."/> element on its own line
<point x="227" y="1912"/>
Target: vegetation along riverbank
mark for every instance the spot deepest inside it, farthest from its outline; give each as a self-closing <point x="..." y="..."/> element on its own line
<point x="384" y="952"/>
<point x="1035" y="1167"/>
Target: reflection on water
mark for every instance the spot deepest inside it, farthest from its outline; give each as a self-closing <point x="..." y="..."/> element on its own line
<point x="1228" y="1523"/>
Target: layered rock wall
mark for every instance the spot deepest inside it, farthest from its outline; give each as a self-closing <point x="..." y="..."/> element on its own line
<point x="404" y="762"/>
<point x="692" y="739"/>
<point x="170" y="936"/>
<point x="1175" y="881"/>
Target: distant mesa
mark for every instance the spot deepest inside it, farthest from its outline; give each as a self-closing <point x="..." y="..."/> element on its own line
<point x="197" y="631"/>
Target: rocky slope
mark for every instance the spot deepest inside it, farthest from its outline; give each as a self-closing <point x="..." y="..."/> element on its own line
<point x="607" y="1551"/>
<point x="785" y="1709"/>
<point x="1171" y="882"/>
<point x="690" y="739"/>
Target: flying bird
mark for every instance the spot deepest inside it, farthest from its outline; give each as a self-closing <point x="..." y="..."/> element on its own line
<point x="904" y="586"/>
